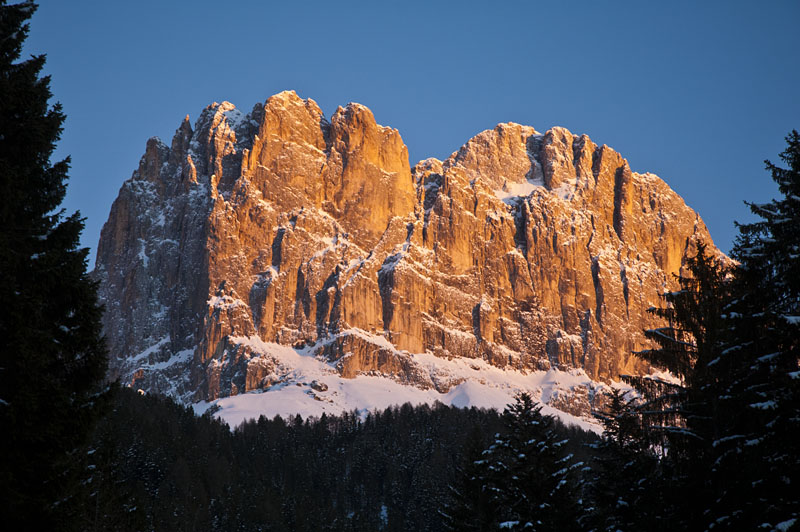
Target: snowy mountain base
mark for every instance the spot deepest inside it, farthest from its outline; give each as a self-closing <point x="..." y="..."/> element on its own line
<point x="310" y="385"/>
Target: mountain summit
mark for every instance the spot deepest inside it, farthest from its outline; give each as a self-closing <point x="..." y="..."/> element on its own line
<point x="258" y="245"/>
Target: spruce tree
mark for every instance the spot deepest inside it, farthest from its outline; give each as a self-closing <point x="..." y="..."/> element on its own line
<point x="469" y="506"/>
<point x="529" y="476"/>
<point x="758" y="460"/>
<point x="622" y="472"/>
<point x="682" y="418"/>
<point x="52" y="358"/>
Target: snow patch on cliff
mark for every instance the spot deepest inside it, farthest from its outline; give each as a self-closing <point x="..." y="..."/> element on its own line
<point x="150" y="350"/>
<point x="479" y="384"/>
<point x="511" y="191"/>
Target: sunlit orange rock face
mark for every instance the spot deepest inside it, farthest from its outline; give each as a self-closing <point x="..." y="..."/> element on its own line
<point x="529" y="250"/>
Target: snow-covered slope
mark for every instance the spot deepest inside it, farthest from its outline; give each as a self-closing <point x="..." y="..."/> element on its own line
<point x="311" y="385"/>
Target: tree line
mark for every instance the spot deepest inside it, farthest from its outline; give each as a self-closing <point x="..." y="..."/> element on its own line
<point x="155" y="465"/>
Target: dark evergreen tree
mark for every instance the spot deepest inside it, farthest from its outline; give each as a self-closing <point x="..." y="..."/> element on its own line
<point x="757" y="462"/>
<point x="526" y="476"/>
<point x="680" y="419"/>
<point x="52" y="358"/>
<point x="622" y="473"/>
<point x="469" y="506"/>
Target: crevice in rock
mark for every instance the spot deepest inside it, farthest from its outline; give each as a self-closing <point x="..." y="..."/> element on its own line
<point x="520" y="228"/>
<point x="301" y="294"/>
<point x="586" y="334"/>
<point x="386" y="287"/>
<point x="476" y="322"/>
<point x="324" y="302"/>
<point x="598" y="290"/>
<point x="276" y="248"/>
<point x="623" y="276"/>
<point x="622" y="180"/>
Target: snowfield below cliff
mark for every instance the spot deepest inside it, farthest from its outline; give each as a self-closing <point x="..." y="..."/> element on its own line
<point x="312" y="386"/>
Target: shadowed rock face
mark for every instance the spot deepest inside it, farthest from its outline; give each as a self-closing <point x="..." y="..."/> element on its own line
<point x="525" y="249"/>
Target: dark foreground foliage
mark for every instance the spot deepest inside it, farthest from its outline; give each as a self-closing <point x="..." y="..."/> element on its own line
<point x="525" y="479"/>
<point x="52" y="357"/>
<point x="157" y="466"/>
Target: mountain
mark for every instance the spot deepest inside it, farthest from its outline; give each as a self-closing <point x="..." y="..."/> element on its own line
<point x="278" y="247"/>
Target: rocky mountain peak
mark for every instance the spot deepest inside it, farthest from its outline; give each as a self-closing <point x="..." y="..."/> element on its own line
<point x="525" y="251"/>
<point x="501" y="155"/>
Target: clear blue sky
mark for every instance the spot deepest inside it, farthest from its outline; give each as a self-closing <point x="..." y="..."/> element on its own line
<point x="699" y="93"/>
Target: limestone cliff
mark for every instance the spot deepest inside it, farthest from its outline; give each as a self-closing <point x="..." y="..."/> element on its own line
<point x="527" y="250"/>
